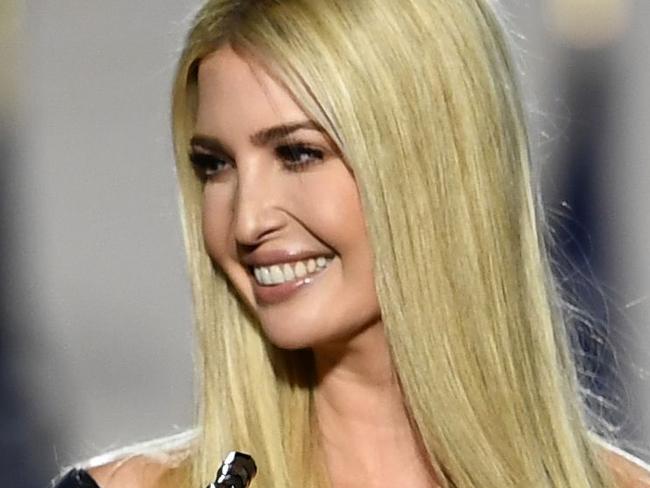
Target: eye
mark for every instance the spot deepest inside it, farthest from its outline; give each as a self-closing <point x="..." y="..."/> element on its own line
<point x="207" y="165"/>
<point x="299" y="156"/>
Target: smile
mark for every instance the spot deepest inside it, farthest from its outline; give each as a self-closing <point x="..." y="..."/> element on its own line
<point x="288" y="272"/>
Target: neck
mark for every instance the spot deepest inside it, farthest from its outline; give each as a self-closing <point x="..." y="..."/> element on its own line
<point x="355" y="375"/>
<point x="364" y="424"/>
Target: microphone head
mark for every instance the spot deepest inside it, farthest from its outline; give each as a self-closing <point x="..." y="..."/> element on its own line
<point x="237" y="471"/>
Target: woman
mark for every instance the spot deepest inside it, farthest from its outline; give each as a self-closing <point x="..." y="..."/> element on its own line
<point x="372" y="292"/>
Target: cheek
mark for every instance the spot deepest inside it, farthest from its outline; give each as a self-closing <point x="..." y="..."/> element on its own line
<point x="332" y="205"/>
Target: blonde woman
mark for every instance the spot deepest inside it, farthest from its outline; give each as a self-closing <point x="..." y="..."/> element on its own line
<point x="373" y="299"/>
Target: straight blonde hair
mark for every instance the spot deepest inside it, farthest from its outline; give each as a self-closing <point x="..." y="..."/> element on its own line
<point x="420" y="97"/>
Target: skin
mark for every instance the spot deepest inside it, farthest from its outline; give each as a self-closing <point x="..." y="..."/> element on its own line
<point x="256" y="203"/>
<point x="141" y="472"/>
<point x="364" y="428"/>
<point x="253" y="200"/>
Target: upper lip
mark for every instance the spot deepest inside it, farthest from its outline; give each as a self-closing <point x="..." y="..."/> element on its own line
<point x="276" y="256"/>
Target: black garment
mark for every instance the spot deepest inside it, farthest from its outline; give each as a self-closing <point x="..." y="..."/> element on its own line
<point x="76" y="478"/>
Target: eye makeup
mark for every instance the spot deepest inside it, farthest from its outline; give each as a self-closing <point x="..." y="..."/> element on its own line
<point x="206" y="165"/>
<point x="295" y="157"/>
<point x="298" y="156"/>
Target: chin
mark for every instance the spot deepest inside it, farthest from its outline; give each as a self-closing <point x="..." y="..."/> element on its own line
<point x="296" y="336"/>
<point x="288" y="337"/>
<point x="289" y="343"/>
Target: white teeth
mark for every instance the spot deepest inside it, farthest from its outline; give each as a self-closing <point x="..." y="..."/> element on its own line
<point x="276" y="275"/>
<point x="266" y="276"/>
<point x="287" y="270"/>
<point x="281" y="273"/>
<point x="301" y="270"/>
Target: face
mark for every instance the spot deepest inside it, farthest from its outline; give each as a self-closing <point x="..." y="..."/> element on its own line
<point x="281" y="211"/>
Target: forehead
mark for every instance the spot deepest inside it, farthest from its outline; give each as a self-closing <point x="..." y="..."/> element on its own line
<point x="236" y="93"/>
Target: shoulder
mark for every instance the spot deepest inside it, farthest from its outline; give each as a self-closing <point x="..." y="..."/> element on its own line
<point x="136" y="472"/>
<point x="161" y="463"/>
<point x="627" y="470"/>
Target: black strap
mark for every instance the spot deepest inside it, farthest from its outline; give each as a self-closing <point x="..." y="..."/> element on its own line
<point x="76" y="478"/>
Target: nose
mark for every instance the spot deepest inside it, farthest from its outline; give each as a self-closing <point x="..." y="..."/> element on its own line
<point x="257" y="210"/>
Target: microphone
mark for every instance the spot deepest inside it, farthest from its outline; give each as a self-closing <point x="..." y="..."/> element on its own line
<point x="237" y="471"/>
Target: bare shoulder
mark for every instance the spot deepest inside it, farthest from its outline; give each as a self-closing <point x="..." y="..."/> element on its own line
<point x="136" y="472"/>
<point x="628" y="471"/>
<point x="158" y="463"/>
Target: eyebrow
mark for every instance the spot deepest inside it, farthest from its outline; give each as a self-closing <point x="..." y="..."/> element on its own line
<point x="260" y="138"/>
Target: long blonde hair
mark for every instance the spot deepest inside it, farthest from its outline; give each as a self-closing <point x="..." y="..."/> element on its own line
<point x="420" y="97"/>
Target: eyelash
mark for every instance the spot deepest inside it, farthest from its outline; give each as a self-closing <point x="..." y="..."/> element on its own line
<point x="208" y="165"/>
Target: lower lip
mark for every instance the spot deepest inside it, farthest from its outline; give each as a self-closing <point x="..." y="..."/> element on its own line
<point x="272" y="294"/>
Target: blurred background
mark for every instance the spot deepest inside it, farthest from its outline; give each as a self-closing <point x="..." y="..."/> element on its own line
<point x="95" y="324"/>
